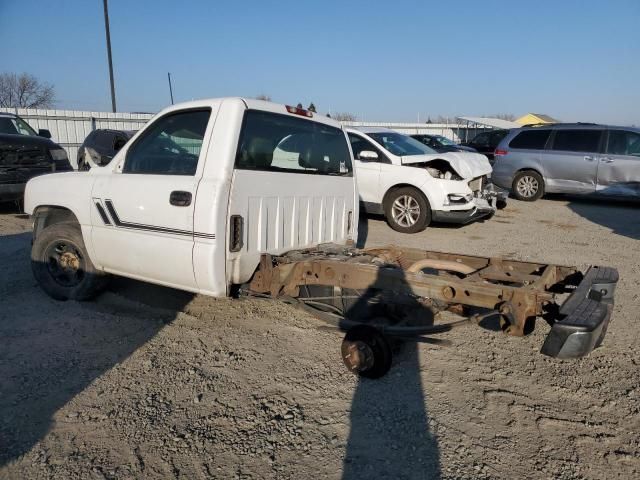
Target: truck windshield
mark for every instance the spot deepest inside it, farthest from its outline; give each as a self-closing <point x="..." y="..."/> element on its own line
<point x="275" y="142"/>
<point x="401" y="145"/>
<point x="16" y="126"/>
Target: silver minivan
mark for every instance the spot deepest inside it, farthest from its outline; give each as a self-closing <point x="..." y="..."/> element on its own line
<point x="578" y="158"/>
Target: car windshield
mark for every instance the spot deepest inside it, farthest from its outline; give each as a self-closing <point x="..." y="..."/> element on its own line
<point x="15" y="126"/>
<point x="401" y="145"/>
<point x="445" y="141"/>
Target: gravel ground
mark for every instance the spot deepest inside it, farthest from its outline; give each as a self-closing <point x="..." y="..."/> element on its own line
<point x="148" y="382"/>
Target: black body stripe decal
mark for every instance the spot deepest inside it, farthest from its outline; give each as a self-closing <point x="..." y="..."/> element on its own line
<point x="150" y="228"/>
<point x="103" y="214"/>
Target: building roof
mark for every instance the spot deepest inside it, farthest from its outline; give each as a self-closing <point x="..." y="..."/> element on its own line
<point x="490" y="122"/>
<point x="536" y="118"/>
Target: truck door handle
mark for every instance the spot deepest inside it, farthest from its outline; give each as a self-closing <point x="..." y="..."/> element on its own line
<point x="606" y="160"/>
<point x="180" y="198"/>
<point x="588" y="158"/>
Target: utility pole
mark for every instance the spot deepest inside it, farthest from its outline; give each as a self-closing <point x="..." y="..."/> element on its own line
<point x="170" y="88"/>
<point x="106" y="28"/>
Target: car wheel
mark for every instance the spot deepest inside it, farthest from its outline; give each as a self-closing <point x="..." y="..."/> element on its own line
<point x="528" y="186"/>
<point x="61" y="265"/>
<point x="407" y="210"/>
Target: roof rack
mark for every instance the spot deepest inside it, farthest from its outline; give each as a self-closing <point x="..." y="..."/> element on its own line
<point x="557" y="124"/>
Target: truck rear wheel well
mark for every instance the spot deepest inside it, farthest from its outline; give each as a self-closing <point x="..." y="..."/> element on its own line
<point x="45" y="216"/>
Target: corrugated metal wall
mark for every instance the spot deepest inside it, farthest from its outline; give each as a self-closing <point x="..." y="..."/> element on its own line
<point x="69" y="128"/>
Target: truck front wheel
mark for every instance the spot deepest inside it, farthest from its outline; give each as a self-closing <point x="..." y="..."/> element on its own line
<point x="61" y="265"/>
<point x="407" y="210"/>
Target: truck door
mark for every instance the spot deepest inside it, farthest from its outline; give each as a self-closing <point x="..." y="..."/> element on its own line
<point x="292" y="187"/>
<point x="142" y="213"/>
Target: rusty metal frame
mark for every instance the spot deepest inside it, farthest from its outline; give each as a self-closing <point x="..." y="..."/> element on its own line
<point x="518" y="290"/>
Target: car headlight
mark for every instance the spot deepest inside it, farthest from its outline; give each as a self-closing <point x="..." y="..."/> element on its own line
<point x="58" y="154"/>
<point x="459" y="198"/>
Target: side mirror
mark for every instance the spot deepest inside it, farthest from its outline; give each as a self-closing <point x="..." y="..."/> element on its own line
<point x="44" y="133"/>
<point x="368" y="156"/>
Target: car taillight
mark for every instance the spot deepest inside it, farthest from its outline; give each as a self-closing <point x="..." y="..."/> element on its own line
<point x="299" y="111"/>
<point x="500" y="153"/>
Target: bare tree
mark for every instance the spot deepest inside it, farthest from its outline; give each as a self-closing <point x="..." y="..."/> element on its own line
<point x="263" y="96"/>
<point x="25" y="91"/>
<point x="344" y="117"/>
<point x="311" y="107"/>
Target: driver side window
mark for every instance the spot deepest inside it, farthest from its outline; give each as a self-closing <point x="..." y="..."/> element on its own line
<point x="171" y="146"/>
<point x="359" y="144"/>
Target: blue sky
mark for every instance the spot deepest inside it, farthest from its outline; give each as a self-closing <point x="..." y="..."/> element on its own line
<point x="387" y="61"/>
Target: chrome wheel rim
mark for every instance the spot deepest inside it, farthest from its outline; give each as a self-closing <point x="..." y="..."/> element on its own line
<point x="527" y="186"/>
<point x="405" y="211"/>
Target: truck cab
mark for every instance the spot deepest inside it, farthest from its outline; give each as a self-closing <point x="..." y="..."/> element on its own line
<point x="195" y="198"/>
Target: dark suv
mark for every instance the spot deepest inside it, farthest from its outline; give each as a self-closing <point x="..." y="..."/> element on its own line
<point x="25" y="154"/>
<point x="486" y="142"/>
<point x="578" y="158"/>
<point x="100" y="146"/>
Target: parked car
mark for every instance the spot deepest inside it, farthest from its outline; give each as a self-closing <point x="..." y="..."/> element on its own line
<point x="100" y="146"/>
<point x="486" y="142"/>
<point x="412" y="184"/>
<point x="441" y="144"/>
<point x="25" y="154"/>
<point x="573" y="158"/>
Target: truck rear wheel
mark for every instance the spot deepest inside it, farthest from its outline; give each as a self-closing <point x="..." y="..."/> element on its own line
<point x="366" y="352"/>
<point x="407" y="210"/>
<point x="61" y="265"/>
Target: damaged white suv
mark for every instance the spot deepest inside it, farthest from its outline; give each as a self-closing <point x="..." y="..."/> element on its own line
<point x="412" y="184"/>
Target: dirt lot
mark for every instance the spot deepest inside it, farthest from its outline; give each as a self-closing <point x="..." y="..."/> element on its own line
<point x="148" y="382"/>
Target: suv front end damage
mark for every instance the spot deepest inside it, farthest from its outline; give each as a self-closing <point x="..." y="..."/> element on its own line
<point x="482" y="201"/>
<point x="381" y="293"/>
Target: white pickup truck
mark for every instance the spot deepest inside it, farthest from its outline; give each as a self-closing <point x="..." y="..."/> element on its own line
<point x="216" y="194"/>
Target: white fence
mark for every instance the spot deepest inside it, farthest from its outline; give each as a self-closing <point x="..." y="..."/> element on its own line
<point x="69" y="128"/>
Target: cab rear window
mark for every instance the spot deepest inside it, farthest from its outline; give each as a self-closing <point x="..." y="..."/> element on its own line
<point x="281" y="143"/>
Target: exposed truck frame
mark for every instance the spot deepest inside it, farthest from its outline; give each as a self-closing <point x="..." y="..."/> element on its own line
<point x="577" y="305"/>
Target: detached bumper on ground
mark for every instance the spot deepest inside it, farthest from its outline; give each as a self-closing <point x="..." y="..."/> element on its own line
<point x="586" y="314"/>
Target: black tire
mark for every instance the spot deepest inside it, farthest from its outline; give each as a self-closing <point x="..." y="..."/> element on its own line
<point x="61" y="265"/>
<point x="372" y="348"/>
<point x="528" y="186"/>
<point x="411" y="198"/>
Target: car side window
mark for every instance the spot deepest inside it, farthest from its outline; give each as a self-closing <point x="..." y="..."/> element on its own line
<point x="496" y="138"/>
<point x="171" y="146"/>
<point x="530" y="139"/>
<point x="623" y="142"/>
<point x="577" y="140"/>
<point x="118" y="143"/>
<point x="481" y="140"/>
<point x="359" y="144"/>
